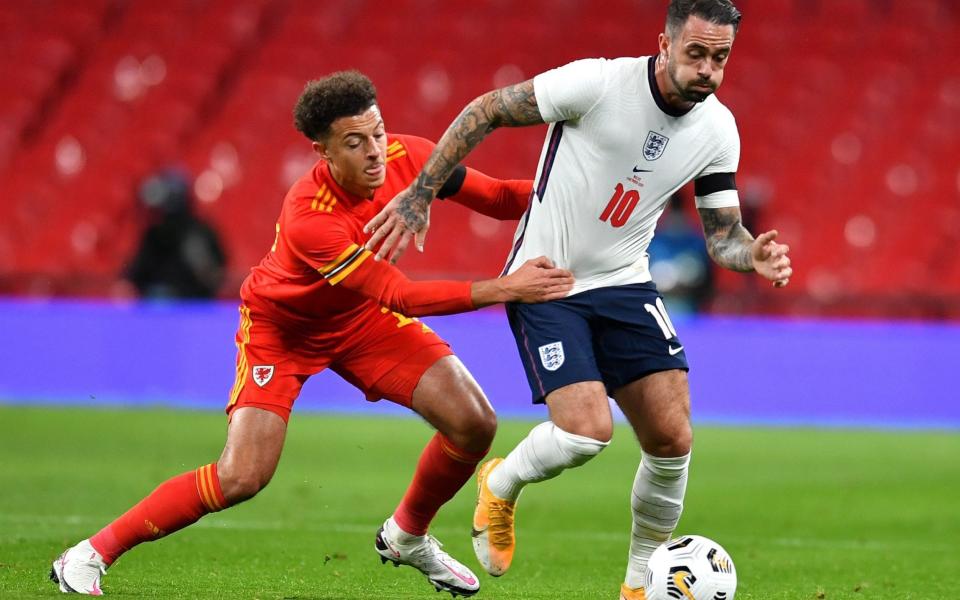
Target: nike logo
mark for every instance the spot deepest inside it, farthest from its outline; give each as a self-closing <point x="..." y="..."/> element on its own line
<point x="674" y="351"/>
<point x="467" y="579"/>
<point x="636" y="170"/>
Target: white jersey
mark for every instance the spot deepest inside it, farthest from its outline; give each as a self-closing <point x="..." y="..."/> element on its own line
<point x="615" y="152"/>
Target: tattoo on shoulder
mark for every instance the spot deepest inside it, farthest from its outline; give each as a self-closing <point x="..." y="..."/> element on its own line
<point x="728" y="241"/>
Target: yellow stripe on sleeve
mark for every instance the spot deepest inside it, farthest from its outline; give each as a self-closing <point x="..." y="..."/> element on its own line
<point x="317" y="198"/>
<point x="328" y="201"/>
<point x="339" y="260"/>
<point x="400" y="154"/>
<point x="350" y="268"/>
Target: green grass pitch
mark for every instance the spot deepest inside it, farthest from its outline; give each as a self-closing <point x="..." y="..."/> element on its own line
<point x="805" y="513"/>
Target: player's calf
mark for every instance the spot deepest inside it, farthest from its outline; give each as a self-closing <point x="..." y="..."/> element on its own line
<point x="656" y="503"/>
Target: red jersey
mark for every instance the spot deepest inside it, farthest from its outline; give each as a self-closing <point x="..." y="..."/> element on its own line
<point x="318" y="277"/>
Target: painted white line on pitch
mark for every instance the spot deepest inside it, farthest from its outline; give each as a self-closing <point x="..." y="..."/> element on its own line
<point x="221" y="522"/>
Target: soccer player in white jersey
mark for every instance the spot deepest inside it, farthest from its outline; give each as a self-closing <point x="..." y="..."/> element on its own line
<point x="624" y="135"/>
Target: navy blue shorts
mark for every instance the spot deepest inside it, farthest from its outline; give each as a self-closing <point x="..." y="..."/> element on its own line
<point x="615" y="335"/>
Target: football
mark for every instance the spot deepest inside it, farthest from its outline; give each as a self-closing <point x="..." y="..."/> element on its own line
<point x="691" y="567"/>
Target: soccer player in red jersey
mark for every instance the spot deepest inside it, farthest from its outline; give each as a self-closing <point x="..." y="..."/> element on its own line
<point x="319" y="300"/>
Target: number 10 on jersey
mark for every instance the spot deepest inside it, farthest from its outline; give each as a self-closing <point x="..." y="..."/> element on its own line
<point x="620" y="207"/>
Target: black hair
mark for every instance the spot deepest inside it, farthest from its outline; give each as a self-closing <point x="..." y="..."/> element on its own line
<point x="721" y="12"/>
<point x="323" y="101"/>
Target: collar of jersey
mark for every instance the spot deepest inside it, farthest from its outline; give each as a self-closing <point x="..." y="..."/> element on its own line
<point x="655" y="90"/>
<point x="341" y="194"/>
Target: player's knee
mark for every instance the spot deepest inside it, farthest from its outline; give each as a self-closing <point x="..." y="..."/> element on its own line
<point x="485" y="426"/>
<point x="673" y="441"/>
<point x="578" y="448"/>
<point x="599" y="429"/>
<point x="476" y="430"/>
<point x="683" y="442"/>
<point x="241" y="484"/>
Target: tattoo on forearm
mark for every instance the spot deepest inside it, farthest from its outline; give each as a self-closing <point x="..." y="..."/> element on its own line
<point x="728" y="241"/>
<point x="512" y="106"/>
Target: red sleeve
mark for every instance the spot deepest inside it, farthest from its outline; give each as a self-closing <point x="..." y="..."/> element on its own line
<point x="385" y="284"/>
<point x="322" y="243"/>
<point x="502" y="199"/>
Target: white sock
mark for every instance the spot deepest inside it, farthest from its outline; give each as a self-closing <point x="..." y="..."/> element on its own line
<point x="657" y="502"/>
<point x="399" y="536"/>
<point x="543" y="454"/>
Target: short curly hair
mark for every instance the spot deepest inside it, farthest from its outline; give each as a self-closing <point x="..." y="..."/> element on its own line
<point x="323" y="101"/>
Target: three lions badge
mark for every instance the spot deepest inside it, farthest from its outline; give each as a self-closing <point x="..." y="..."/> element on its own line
<point x="551" y="356"/>
<point x="655" y="145"/>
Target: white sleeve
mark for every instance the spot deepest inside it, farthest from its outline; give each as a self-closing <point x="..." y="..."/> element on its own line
<point x="724" y="199"/>
<point x="569" y="92"/>
<point x="727" y="160"/>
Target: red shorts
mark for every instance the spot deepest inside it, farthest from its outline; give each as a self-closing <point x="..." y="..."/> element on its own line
<point x="383" y="354"/>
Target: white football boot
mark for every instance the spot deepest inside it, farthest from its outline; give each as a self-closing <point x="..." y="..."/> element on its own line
<point x="78" y="570"/>
<point x="424" y="554"/>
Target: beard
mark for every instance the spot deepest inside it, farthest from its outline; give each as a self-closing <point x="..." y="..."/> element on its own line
<point x="686" y="91"/>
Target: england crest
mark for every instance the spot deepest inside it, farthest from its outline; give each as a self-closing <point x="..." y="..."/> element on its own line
<point x="262" y="374"/>
<point x="654" y="146"/>
<point x="551" y="355"/>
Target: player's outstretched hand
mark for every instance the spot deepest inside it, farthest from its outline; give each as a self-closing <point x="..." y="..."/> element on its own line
<point x="406" y="216"/>
<point x="770" y="259"/>
<point x="538" y="280"/>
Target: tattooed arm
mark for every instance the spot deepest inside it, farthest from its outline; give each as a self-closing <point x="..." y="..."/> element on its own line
<point x="407" y="215"/>
<point x="731" y="246"/>
<point x="512" y="106"/>
<point x="728" y="241"/>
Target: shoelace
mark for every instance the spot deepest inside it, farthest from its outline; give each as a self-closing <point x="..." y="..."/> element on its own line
<point x="500" y="530"/>
<point x="431" y="549"/>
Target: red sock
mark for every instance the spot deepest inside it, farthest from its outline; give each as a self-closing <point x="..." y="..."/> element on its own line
<point x="441" y="472"/>
<point x="176" y="503"/>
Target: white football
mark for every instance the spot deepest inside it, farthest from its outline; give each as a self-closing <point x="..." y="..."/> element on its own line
<point x="691" y="567"/>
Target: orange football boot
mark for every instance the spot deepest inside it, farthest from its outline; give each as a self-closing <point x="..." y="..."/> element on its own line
<point x="493" y="536"/>
<point x="629" y="593"/>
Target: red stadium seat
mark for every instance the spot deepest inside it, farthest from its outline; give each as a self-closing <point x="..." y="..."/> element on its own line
<point x="848" y="127"/>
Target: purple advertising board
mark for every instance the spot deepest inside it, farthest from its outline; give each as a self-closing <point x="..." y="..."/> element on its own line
<point x="743" y="370"/>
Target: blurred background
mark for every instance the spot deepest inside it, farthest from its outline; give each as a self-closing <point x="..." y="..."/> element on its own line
<point x="145" y="149"/>
<point x="849" y="112"/>
<point x="132" y="131"/>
